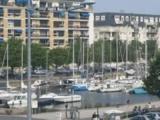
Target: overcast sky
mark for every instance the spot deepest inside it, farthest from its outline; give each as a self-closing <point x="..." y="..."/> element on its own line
<point x="131" y="6"/>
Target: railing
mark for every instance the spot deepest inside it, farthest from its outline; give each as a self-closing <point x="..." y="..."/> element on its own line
<point x="40" y="35"/>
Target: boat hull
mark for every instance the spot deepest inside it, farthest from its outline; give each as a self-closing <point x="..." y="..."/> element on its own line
<point x="67" y="99"/>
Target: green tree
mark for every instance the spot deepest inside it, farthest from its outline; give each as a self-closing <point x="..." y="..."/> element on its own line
<point x="134" y="49"/>
<point x="152" y="82"/>
<point x="58" y="56"/>
<point x="14" y="53"/>
<point x="38" y="56"/>
<point x="2" y="52"/>
<point x="152" y="48"/>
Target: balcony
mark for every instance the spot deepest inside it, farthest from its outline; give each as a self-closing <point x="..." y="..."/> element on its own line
<point x="40" y="35"/>
<point x="1" y="34"/>
<point x="14" y="14"/>
<point x="44" y="25"/>
<point x="41" y="16"/>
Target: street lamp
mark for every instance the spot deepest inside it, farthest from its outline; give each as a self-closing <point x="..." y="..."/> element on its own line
<point x="29" y="95"/>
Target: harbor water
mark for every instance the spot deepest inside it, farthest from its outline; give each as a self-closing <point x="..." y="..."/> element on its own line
<point x="97" y="99"/>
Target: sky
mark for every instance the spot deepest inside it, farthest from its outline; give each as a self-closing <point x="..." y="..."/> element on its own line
<point x="128" y="6"/>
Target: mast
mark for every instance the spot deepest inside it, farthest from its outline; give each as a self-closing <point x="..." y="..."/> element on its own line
<point x="146" y="56"/>
<point x="22" y="67"/>
<point x="127" y="50"/>
<point x="110" y="55"/>
<point x="87" y="59"/>
<point x="117" y="54"/>
<point x="103" y="57"/>
<point x="73" y="59"/>
<point x="7" y="66"/>
<point x="83" y="55"/>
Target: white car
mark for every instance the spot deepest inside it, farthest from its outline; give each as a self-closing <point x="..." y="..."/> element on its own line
<point x="155" y="115"/>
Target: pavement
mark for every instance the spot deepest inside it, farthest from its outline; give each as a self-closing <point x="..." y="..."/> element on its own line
<point x="82" y="114"/>
<point x="86" y="114"/>
<point x="10" y="117"/>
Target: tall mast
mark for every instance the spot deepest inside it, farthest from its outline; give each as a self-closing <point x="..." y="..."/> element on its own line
<point x="103" y="57"/>
<point x="73" y="58"/>
<point x="22" y="67"/>
<point x="146" y="55"/>
<point x="117" y="54"/>
<point x="110" y="55"/>
<point x="7" y="66"/>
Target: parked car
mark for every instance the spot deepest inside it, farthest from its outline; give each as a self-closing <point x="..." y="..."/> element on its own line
<point x="155" y="115"/>
<point x="142" y="117"/>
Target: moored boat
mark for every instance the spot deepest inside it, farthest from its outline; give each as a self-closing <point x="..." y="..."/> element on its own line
<point x="79" y="87"/>
<point x="67" y="98"/>
<point x="20" y="100"/>
<point x="46" y="99"/>
<point x="112" y="87"/>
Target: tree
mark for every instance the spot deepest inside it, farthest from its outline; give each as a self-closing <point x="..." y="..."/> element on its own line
<point x="2" y="52"/>
<point x="58" y="56"/>
<point x="14" y="53"/>
<point x="152" y="48"/>
<point x="152" y="82"/>
<point x="38" y="56"/>
<point x="134" y="48"/>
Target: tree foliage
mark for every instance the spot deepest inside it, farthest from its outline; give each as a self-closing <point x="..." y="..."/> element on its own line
<point x="152" y="82"/>
<point x="61" y="56"/>
<point x="38" y="56"/>
<point x="58" y="56"/>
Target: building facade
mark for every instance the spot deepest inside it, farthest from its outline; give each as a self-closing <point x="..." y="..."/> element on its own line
<point x="53" y="22"/>
<point x="127" y="26"/>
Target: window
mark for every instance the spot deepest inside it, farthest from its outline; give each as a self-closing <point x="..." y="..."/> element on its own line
<point x="97" y="18"/>
<point x="156" y="19"/>
<point x="137" y="19"/>
<point x="103" y="18"/>
<point x="141" y="19"/>
<point x="127" y="18"/>
<point x="146" y="20"/>
<point x="151" y="20"/>
<point x="117" y="19"/>
<point x="122" y="18"/>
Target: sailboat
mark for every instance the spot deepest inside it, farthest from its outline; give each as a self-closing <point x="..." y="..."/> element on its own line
<point x="79" y="84"/>
<point x="23" y="86"/>
<point x="9" y="87"/>
<point x="68" y="98"/>
<point x="20" y="100"/>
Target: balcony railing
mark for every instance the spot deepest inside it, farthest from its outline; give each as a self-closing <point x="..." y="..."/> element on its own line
<point x="40" y="35"/>
<point x="14" y="14"/>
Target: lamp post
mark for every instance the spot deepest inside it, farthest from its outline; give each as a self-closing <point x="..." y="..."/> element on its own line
<point x="29" y="95"/>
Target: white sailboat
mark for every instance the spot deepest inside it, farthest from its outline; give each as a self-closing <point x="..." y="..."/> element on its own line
<point x="48" y="96"/>
<point x="94" y="88"/>
<point x="9" y="87"/>
<point x="23" y="86"/>
<point x="111" y="87"/>
<point x="68" y="98"/>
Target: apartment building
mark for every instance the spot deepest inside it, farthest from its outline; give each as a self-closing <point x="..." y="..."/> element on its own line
<point x="54" y="23"/>
<point x="127" y="26"/>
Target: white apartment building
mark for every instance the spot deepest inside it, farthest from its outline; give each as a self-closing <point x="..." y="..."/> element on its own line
<point x="127" y="26"/>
